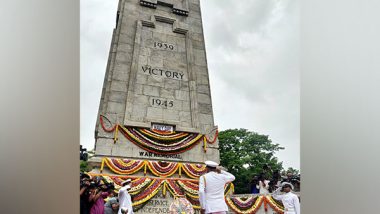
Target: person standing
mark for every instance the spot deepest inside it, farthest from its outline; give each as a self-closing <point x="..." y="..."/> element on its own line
<point x="263" y="185"/>
<point x="112" y="206"/>
<point x="97" y="198"/>
<point x="125" y="201"/>
<point x="211" y="189"/>
<point x="254" y="185"/>
<point x="289" y="200"/>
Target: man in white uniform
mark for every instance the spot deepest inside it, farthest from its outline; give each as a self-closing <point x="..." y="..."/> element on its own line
<point x="211" y="189"/>
<point x="289" y="199"/>
<point x="125" y="201"/>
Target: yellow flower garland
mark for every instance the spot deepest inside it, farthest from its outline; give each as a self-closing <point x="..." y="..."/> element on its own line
<point x="179" y="167"/>
<point x="251" y="210"/>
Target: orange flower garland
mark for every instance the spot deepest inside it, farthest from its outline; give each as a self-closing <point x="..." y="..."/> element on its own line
<point x="158" y="170"/>
<point x="144" y="188"/>
<point x="247" y="210"/>
<point x="214" y="139"/>
<point x="279" y="208"/>
<point x="159" y="142"/>
<point x="194" y="170"/>
<point x="129" y="167"/>
<point x="123" y="167"/>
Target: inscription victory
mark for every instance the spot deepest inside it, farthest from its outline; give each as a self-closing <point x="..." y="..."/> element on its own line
<point x="162" y="72"/>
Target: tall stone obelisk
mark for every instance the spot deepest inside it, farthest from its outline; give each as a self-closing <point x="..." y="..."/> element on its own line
<point x="156" y="78"/>
<point x="155" y="109"/>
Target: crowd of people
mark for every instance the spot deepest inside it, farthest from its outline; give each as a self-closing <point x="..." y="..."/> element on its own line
<point x="97" y="196"/>
<point x="264" y="183"/>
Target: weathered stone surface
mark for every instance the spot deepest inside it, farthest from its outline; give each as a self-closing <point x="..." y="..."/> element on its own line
<point x="118" y="96"/>
<point x="114" y="107"/>
<point x="121" y="75"/>
<point x="119" y="86"/>
<point x="204" y="98"/>
<point x="205" y="118"/>
<point x="205" y="108"/>
<point x="204" y="89"/>
<point x="182" y="95"/>
<point x="151" y="90"/>
<point x="155" y="81"/>
<point x="186" y="106"/>
<point x="174" y="46"/>
<point x="154" y="113"/>
<point x="171" y="115"/>
<point x="167" y="93"/>
<point x="103" y="146"/>
<point x="172" y="84"/>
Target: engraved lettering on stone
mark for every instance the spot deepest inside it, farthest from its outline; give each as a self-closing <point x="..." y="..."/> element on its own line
<point x="161" y="102"/>
<point x="147" y="69"/>
<point x="157" y="205"/>
<point x="163" y="46"/>
<point x="150" y="154"/>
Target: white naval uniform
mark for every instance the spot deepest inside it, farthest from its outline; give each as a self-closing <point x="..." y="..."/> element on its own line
<point x="211" y="192"/>
<point x="290" y="201"/>
<point x="125" y="200"/>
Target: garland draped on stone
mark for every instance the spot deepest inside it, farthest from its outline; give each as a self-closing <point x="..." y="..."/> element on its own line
<point x="275" y="204"/>
<point x="159" y="142"/>
<point x="251" y="204"/>
<point x="157" y="168"/>
<point x="145" y="188"/>
<point x="245" y="205"/>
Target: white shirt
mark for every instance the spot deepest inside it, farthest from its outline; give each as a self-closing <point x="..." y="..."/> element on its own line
<point x="290" y="201"/>
<point x="125" y="200"/>
<point x="264" y="189"/>
<point x="211" y="192"/>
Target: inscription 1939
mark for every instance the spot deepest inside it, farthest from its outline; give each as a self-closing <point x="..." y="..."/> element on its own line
<point x="163" y="45"/>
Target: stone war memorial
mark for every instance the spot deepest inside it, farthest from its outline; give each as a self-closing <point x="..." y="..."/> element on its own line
<point x="155" y="122"/>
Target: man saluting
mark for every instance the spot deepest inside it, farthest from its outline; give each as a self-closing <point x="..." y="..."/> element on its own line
<point x="289" y="199"/>
<point x="211" y="189"/>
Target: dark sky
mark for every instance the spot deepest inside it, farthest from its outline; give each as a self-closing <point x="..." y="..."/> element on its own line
<point x="252" y="54"/>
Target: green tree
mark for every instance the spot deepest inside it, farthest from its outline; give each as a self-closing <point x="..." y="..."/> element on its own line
<point x="84" y="167"/>
<point x="292" y="170"/>
<point x="245" y="153"/>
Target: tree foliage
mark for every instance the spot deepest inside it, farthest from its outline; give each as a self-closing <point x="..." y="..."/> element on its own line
<point x="291" y="170"/>
<point x="245" y="153"/>
<point x="84" y="167"/>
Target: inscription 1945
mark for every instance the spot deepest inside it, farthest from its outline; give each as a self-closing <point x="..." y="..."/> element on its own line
<point x="162" y="103"/>
<point x="161" y="72"/>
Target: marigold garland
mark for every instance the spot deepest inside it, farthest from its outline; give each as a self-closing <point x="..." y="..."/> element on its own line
<point x="274" y="204"/>
<point x="104" y="127"/>
<point x="121" y="167"/>
<point x="159" y="142"/>
<point x="158" y="168"/>
<point x="188" y="187"/>
<point x="194" y="170"/>
<point x="167" y="137"/>
<point x="255" y="205"/>
<point x="143" y="188"/>
<point x="174" y="188"/>
<point x="215" y="137"/>
<point x="158" y="146"/>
